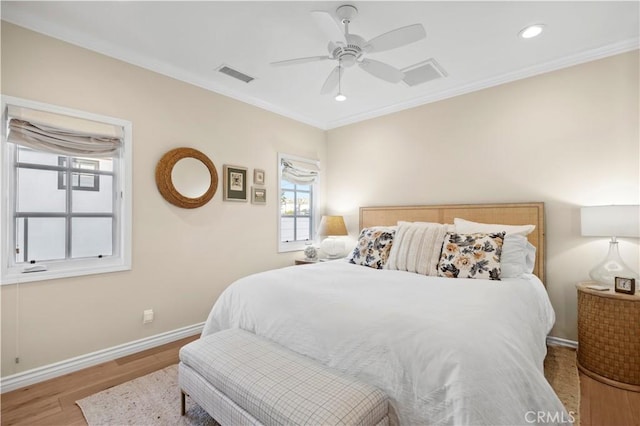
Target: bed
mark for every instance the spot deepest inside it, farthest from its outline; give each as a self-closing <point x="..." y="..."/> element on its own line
<point x="445" y="350"/>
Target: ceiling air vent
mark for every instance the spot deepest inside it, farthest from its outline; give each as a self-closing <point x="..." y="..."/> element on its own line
<point x="235" y="74"/>
<point x="422" y="72"/>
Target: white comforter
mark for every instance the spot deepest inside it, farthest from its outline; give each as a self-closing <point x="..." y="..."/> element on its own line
<point x="446" y="351"/>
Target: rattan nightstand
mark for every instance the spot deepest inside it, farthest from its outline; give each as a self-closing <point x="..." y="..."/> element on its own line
<point x="609" y="336"/>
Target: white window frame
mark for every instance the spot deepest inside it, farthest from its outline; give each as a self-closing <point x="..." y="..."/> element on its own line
<point x="12" y="273"/>
<point x="288" y="246"/>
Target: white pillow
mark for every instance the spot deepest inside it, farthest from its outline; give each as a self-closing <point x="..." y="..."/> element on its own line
<point x="518" y="256"/>
<point x="468" y="227"/>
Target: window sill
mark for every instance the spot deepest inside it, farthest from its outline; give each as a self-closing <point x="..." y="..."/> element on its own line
<point x="289" y="247"/>
<point x="15" y="275"/>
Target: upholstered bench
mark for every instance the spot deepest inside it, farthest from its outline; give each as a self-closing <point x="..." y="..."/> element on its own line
<point x="240" y="378"/>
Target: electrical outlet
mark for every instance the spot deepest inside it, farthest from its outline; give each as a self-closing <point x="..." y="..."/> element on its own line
<point x="147" y="316"/>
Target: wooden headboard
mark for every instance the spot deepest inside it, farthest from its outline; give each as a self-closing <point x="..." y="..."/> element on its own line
<point x="507" y="214"/>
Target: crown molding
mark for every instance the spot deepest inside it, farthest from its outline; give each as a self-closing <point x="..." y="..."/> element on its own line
<point x="81" y="40"/>
<point x="568" y="61"/>
<point x="58" y="32"/>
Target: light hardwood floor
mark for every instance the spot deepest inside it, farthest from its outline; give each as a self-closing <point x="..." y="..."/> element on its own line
<point x="53" y="402"/>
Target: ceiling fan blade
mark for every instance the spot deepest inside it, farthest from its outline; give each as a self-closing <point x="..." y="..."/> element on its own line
<point x="396" y="38"/>
<point x="331" y="82"/>
<point x="381" y="70"/>
<point x="300" y="60"/>
<point x="328" y="26"/>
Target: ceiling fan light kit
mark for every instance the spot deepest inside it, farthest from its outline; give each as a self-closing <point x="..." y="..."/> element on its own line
<point x="350" y="49"/>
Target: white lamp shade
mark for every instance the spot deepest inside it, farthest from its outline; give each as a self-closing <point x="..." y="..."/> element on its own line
<point x="610" y="221"/>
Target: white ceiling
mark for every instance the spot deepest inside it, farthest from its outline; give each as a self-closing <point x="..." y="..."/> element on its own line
<point x="476" y="43"/>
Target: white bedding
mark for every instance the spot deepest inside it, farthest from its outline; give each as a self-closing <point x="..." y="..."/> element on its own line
<point x="446" y="351"/>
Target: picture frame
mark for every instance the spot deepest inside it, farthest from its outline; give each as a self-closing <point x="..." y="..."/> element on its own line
<point x="258" y="176"/>
<point x="625" y="285"/>
<point x="234" y="183"/>
<point x="258" y="195"/>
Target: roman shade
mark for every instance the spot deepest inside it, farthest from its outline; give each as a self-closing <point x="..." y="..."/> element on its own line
<point x="62" y="134"/>
<point x="299" y="172"/>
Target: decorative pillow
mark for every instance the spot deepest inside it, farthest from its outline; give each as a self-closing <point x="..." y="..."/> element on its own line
<point x="416" y="247"/>
<point x="471" y="256"/>
<point x="374" y="245"/>
<point x="468" y="227"/>
<point x="518" y="256"/>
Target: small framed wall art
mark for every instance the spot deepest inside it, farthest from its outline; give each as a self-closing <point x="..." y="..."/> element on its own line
<point x="258" y="176"/>
<point x="625" y="285"/>
<point x="258" y="195"/>
<point x="235" y="183"/>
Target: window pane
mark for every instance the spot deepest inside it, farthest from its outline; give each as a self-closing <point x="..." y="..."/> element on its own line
<point x="87" y="200"/>
<point x="105" y="164"/>
<point x="287" y="203"/>
<point x="91" y="236"/>
<point x="286" y="229"/>
<point x="302" y="229"/>
<point x="303" y="203"/>
<point x="38" y="191"/>
<point x="287" y="185"/>
<point x="46" y="238"/>
<point x="26" y="155"/>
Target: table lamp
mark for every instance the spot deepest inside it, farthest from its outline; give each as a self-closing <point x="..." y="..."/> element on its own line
<point x="611" y="221"/>
<point x="332" y="227"/>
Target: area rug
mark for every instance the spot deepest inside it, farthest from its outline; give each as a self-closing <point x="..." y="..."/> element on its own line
<point x="561" y="371"/>
<point x="154" y="399"/>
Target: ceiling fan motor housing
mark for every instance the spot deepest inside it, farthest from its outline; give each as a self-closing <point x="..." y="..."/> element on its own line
<point x="349" y="54"/>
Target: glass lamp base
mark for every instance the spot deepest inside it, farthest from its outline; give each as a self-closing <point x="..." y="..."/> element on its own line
<point x="333" y="247"/>
<point x="611" y="267"/>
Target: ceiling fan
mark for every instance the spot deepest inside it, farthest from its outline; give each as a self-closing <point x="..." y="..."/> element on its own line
<point x="350" y="49"/>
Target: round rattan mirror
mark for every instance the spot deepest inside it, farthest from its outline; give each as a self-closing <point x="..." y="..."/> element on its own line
<point x="186" y="178"/>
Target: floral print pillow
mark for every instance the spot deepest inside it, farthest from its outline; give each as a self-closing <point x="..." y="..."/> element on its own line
<point x="471" y="256"/>
<point x="373" y="247"/>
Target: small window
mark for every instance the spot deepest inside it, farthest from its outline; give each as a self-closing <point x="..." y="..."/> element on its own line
<point x="66" y="202"/>
<point x="297" y="189"/>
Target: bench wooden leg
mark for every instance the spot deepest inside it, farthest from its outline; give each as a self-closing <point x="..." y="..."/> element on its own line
<point x="182" y="402"/>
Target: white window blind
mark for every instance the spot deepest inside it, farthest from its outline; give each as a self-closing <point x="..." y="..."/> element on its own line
<point x="68" y="136"/>
<point x="299" y="172"/>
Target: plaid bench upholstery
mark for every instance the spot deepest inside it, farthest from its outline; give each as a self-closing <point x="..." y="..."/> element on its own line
<point x="241" y="378"/>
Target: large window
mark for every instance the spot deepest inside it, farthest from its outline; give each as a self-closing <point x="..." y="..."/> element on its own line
<point x="66" y="206"/>
<point x="297" y="189"/>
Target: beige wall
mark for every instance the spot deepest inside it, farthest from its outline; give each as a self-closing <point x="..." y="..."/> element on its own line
<point x="182" y="259"/>
<point x="568" y="138"/>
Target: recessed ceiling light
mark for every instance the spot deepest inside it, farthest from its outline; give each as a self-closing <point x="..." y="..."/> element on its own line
<point x="531" y="31"/>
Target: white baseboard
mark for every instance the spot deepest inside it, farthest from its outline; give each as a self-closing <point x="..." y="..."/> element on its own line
<point x="46" y="372"/>
<point x="40" y="374"/>
<point x="559" y="341"/>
